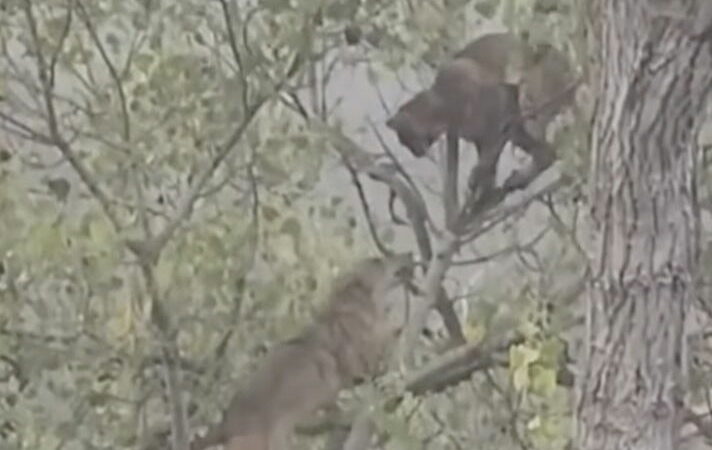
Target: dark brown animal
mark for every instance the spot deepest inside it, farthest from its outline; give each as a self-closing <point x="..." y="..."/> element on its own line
<point x="346" y="343"/>
<point x="494" y="90"/>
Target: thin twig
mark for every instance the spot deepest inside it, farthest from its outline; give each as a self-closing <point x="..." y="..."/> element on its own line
<point x="126" y="122"/>
<point x="503" y="252"/>
<point x="58" y="141"/>
<point x="366" y="208"/>
<point x="232" y="40"/>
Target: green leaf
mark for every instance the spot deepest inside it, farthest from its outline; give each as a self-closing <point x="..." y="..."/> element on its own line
<point x="543" y="380"/>
<point x="522" y="356"/>
<point x="551" y="351"/>
<point x="534" y="423"/>
<point x="520" y="378"/>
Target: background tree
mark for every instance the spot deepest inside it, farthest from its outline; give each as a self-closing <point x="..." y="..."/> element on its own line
<point x="653" y="85"/>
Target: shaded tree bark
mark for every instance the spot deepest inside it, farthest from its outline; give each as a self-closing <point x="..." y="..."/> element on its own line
<point x="655" y="78"/>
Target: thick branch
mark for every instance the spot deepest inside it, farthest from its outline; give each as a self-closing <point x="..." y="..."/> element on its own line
<point x="455" y="366"/>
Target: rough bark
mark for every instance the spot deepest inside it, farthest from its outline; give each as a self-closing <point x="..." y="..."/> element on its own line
<point x="654" y="81"/>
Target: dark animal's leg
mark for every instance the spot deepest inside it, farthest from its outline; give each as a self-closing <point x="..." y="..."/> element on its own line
<point x="483" y="193"/>
<point x="499" y="124"/>
<point x="483" y="175"/>
<point x="540" y="151"/>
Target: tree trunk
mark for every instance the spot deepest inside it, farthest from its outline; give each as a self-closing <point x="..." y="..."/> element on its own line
<point x="655" y="77"/>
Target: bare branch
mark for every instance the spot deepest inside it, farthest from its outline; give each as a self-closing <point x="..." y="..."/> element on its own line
<point x="112" y="71"/>
<point x="170" y="355"/>
<point x="415" y="207"/>
<point x="60" y="42"/>
<point x="366" y="208"/>
<point x="450" y="179"/>
<point x="232" y="40"/>
<point x="488" y="219"/>
<point x="24" y="131"/>
<point x="503" y="252"/>
<point x="437" y="267"/>
<point x="446" y="310"/>
<point x="456" y="366"/>
<point x="55" y="135"/>
<point x="363" y="161"/>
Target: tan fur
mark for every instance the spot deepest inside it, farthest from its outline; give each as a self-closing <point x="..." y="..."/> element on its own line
<point x="346" y="343"/>
<point x="546" y="88"/>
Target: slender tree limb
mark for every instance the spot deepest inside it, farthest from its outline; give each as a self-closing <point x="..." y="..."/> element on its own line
<point x="125" y="117"/>
<point x="232" y="40"/>
<point x="503" y="252"/>
<point x="488" y="219"/>
<point x="24" y="131"/>
<point x="60" y="42"/>
<point x="444" y="307"/>
<point x="415" y="208"/>
<point x="57" y="140"/>
<point x="437" y="267"/>
<point x="450" y="188"/>
<point x="366" y="208"/>
<point x="169" y="352"/>
<point x="363" y="161"/>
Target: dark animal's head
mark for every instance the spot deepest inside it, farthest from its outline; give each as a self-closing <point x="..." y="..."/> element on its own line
<point x="418" y="123"/>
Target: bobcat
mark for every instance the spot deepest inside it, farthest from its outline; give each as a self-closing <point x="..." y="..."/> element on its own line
<point x="346" y="343"/>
